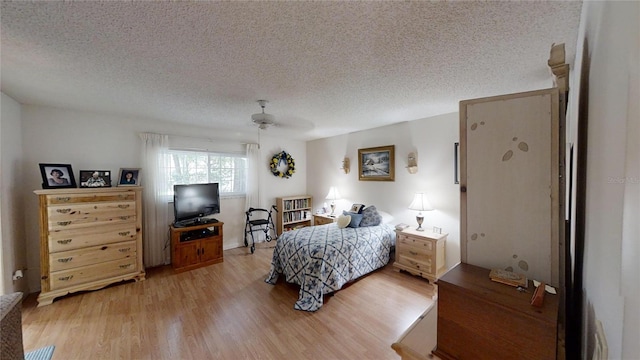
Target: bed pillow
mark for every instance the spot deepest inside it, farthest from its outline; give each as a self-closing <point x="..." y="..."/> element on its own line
<point x="370" y="217"/>
<point x="386" y="217"/>
<point x="355" y="218"/>
<point x="343" y="221"/>
<point x="357" y="208"/>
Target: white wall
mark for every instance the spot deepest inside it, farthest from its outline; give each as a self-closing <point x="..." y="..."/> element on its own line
<point x="12" y="231"/>
<point x="610" y="38"/>
<point x="106" y="142"/>
<point x="433" y="141"/>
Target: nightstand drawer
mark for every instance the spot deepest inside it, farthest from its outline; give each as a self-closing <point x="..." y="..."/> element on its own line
<point x="415" y="242"/>
<point x="420" y="264"/>
<point x="323" y="219"/>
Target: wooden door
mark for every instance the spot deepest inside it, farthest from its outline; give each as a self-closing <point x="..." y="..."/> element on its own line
<point x="510" y="175"/>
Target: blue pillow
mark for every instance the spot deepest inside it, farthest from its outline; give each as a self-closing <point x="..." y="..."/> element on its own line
<point x="355" y="219"/>
<point x="370" y="217"/>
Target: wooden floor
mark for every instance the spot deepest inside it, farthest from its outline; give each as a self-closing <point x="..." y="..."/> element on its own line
<point x="227" y="311"/>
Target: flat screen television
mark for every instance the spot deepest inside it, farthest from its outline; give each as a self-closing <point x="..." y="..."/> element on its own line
<point x="193" y="203"/>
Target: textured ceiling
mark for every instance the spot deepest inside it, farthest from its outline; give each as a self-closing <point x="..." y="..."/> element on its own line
<point x="327" y="68"/>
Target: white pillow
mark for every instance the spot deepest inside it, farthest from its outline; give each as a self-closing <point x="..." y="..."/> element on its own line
<point x="386" y="217"/>
<point x="343" y="221"/>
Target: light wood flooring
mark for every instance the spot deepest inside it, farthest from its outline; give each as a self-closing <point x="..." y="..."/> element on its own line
<point x="227" y="311"/>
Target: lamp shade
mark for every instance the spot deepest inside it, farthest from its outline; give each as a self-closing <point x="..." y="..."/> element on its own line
<point x="420" y="202"/>
<point x="333" y="194"/>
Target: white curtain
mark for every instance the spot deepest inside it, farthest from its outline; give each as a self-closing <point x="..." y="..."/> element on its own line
<point x="155" y="200"/>
<point x="253" y="197"/>
<point x="253" y="177"/>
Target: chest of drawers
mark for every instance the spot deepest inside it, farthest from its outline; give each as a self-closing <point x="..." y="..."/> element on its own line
<point x="420" y="253"/>
<point x="89" y="238"/>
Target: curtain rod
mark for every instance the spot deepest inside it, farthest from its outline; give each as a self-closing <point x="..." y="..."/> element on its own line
<point x="204" y="138"/>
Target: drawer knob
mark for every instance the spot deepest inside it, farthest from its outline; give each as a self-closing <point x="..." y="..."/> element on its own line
<point x="64" y="242"/>
<point x="65" y="260"/>
<point x="124" y="206"/>
<point x="125" y="266"/>
<point x="124" y="233"/>
<point x="413" y="253"/>
<point x="124" y="217"/>
<point x="65" y="278"/>
<point x="64" y="223"/>
<point x="65" y="198"/>
<point x="63" y="211"/>
<point x="125" y="250"/>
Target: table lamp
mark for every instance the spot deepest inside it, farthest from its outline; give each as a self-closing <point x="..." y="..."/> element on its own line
<point x="333" y="195"/>
<point x="420" y="203"/>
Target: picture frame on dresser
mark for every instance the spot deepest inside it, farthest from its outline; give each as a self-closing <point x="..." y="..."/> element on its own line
<point x="95" y="178"/>
<point x="129" y="177"/>
<point x="377" y="163"/>
<point x="57" y="176"/>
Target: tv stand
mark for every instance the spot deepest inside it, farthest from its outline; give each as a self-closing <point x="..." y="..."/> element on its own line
<point x="196" y="245"/>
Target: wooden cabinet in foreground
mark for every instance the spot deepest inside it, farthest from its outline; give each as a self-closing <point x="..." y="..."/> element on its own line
<point x="483" y="319"/>
<point x="89" y="238"/>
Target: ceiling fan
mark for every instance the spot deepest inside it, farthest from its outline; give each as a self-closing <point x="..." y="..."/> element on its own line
<point x="263" y="120"/>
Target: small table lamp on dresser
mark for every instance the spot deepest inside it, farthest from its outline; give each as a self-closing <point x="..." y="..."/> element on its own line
<point x="420" y="203"/>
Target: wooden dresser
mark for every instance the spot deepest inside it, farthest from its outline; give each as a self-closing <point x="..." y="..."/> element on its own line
<point x="420" y="253"/>
<point x="482" y="319"/>
<point x="89" y="238"/>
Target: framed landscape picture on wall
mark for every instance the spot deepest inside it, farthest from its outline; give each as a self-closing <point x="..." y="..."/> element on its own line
<point x="377" y="163"/>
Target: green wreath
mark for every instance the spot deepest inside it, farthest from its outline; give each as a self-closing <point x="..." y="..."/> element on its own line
<point x="288" y="160"/>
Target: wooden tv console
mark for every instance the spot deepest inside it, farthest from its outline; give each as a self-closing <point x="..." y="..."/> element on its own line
<point x="196" y="246"/>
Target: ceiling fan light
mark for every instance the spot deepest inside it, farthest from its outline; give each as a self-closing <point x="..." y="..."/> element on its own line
<point x="262" y="118"/>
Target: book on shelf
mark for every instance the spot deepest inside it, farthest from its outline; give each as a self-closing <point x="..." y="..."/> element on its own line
<point x="508" y="277"/>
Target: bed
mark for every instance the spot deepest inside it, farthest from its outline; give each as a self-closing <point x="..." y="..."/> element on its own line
<point x="321" y="259"/>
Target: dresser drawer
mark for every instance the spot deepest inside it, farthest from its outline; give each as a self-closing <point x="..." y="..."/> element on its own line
<point x="87" y="198"/>
<point x="62" y="217"/>
<point x="81" y="275"/>
<point x="85" y="237"/>
<point x="414" y="242"/>
<point x="92" y="255"/>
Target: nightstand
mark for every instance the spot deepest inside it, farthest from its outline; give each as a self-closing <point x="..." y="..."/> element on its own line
<point x="421" y="253"/>
<point x="322" y="219"/>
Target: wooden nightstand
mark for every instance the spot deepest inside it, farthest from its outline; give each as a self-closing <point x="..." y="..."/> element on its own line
<point x="322" y="219"/>
<point x="421" y="253"/>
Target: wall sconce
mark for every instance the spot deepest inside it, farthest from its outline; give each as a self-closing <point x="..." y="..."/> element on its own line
<point x="413" y="164"/>
<point x="346" y="165"/>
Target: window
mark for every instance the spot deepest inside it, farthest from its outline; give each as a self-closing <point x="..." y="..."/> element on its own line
<point x="197" y="167"/>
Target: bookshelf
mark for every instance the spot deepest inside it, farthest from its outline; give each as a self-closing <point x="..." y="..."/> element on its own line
<point x="293" y="212"/>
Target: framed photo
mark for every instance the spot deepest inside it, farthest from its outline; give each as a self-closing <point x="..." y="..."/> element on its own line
<point x="95" y="178"/>
<point x="129" y="177"/>
<point x="376" y="164"/>
<point x="56" y="176"/>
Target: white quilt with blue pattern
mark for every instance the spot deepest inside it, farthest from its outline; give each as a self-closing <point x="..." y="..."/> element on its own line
<point x="321" y="259"/>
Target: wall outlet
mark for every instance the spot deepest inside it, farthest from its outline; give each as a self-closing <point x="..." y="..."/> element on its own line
<point x="17" y="275"/>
